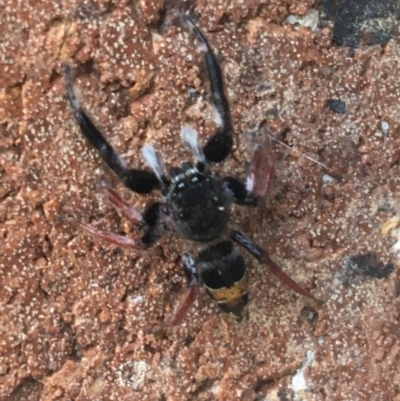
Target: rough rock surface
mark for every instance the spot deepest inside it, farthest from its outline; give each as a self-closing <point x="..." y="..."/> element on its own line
<point x="80" y="320"/>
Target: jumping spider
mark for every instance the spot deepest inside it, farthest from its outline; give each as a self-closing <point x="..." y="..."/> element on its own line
<point x="195" y="203"/>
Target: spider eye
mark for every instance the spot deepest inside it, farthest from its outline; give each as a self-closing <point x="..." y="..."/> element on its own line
<point x="181" y="185"/>
<point x="195" y="179"/>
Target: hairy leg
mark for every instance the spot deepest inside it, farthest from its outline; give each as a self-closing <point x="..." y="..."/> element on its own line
<point x="140" y="181"/>
<point x="218" y="146"/>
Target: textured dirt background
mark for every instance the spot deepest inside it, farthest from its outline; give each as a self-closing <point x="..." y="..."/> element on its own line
<point x="80" y="320"/>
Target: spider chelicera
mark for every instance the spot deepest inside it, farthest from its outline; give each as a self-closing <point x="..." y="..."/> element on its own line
<point x="194" y="202"/>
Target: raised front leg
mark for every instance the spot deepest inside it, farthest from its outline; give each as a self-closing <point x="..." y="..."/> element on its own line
<point x="262" y="256"/>
<point x="218" y="146"/>
<point x="258" y="181"/>
<point x="140" y="181"/>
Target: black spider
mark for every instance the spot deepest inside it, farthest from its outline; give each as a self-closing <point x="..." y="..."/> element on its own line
<point x="195" y="203"/>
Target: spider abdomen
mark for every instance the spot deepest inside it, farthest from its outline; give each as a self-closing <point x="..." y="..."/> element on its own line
<point x="223" y="272"/>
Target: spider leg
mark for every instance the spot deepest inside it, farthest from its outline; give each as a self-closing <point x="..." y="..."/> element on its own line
<point x="190" y="140"/>
<point x="153" y="234"/>
<point x="261" y="255"/>
<point x="129" y="211"/>
<point x="258" y="181"/>
<point x="238" y="193"/>
<point x="261" y="172"/>
<point x="190" y="267"/>
<point x="154" y="229"/>
<point x="218" y="146"/>
<point x="140" y="181"/>
<point x="108" y="236"/>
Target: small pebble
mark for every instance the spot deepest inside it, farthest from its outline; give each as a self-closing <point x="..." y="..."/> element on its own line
<point x="337" y="105"/>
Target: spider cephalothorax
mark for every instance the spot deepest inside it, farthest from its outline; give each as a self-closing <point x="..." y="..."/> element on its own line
<point x="195" y="203"/>
<point x="198" y="205"/>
